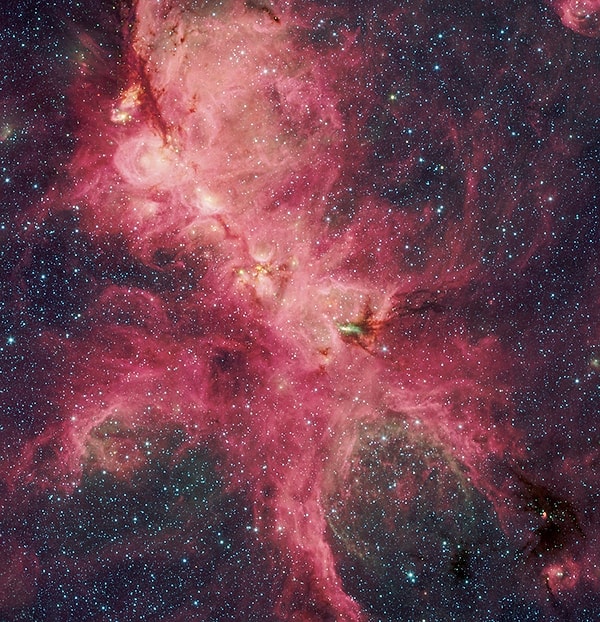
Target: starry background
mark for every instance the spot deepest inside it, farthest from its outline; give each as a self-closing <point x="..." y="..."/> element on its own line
<point x="471" y="127"/>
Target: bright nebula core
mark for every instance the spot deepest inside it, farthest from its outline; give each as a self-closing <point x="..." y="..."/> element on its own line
<point x="300" y="311"/>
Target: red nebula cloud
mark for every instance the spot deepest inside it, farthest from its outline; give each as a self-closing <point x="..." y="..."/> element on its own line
<point x="581" y="16"/>
<point x="287" y="308"/>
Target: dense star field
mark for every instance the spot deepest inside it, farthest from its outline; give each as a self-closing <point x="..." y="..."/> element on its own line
<point x="299" y="311"/>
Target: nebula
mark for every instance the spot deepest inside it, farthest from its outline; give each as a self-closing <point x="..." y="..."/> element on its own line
<point x="582" y="16"/>
<point x="302" y="324"/>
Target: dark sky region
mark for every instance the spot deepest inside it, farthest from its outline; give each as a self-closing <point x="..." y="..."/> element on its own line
<point x="299" y="311"/>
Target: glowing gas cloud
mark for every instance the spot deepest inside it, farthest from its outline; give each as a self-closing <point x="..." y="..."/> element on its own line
<point x="298" y="359"/>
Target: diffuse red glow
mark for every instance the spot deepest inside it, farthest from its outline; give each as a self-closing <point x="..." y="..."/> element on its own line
<point x="581" y="16"/>
<point x="225" y="146"/>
